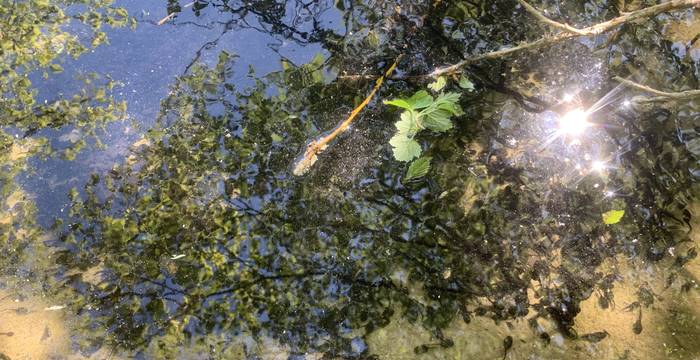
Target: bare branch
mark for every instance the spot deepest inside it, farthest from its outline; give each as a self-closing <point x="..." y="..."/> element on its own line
<point x="356" y="77"/>
<point x="660" y="95"/>
<point x="532" y="10"/>
<point x="570" y="32"/>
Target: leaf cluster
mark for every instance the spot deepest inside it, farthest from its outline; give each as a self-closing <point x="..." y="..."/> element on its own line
<point x="422" y="111"/>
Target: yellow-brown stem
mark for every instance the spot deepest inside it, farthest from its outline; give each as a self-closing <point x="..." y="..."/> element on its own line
<point x="344" y="125"/>
<point x="316" y="146"/>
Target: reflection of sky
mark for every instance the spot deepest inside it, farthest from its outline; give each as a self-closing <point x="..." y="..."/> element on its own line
<point x="146" y="62"/>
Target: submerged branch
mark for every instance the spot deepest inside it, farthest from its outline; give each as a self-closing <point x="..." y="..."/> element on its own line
<point x="660" y="95"/>
<point x="315" y="147"/>
<point x="569" y="32"/>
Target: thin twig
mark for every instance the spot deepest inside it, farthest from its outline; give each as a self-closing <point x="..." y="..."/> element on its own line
<point x="166" y="18"/>
<point x="356" y="77"/>
<point x="569" y="33"/>
<point x="532" y="10"/>
<point x="660" y="95"/>
<point x="315" y="147"/>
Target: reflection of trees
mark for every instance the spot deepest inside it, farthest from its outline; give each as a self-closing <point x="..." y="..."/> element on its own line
<point x="317" y="267"/>
<point x="296" y="20"/>
<point x="34" y="40"/>
<point x="266" y="253"/>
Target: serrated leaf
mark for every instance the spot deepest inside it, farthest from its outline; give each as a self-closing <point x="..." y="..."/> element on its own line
<point x="466" y="84"/>
<point x="408" y="125"/>
<point x="418" y="168"/>
<point x="437" y="120"/>
<point x="404" y="148"/>
<point x="438" y="84"/>
<point x="450" y="98"/>
<point x="613" y="216"/>
<point x="457" y="111"/>
<point x="451" y="108"/>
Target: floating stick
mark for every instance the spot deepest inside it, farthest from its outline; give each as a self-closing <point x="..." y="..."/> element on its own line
<point x="315" y="147"/>
<point x="166" y="18"/>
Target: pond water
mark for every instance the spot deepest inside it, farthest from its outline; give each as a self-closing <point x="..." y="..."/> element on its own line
<point x="150" y="206"/>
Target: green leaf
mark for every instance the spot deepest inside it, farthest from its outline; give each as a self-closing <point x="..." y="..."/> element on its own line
<point x="449" y="99"/>
<point x="466" y="84"/>
<point x="405" y="148"/>
<point x="456" y="110"/>
<point x="438" y="84"/>
<point x="408" y="125"/>
<point x="418" y="168"/>
<point x="451" y="108"/>
<point x="613" y="216"/>
<point x="373" y="39"/>
<point x="275" y="137"/>
<point x="437" y="120"/>
<point x="420" y="100"/>
<point x="399" y="103"/>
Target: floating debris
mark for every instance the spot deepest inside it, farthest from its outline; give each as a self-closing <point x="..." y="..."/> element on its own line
<point x="315" y="147"/>
<point x="306" y="161"/>
<point x="166" y="18"/>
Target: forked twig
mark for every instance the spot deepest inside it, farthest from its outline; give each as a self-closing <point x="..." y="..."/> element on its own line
<point x="568" y="33"/>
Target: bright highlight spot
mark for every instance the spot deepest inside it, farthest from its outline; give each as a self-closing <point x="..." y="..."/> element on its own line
<point x="574" y="122"/>
<point x="568" y="97"/>
<point x="598" y="166"/>
<point x="626" y="103"/>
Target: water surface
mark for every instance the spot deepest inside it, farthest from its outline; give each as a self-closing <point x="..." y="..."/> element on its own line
<point x="156" y="215"/>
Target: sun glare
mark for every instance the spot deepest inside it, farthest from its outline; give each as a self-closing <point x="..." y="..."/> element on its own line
<point x="574" y="122"/>
<point x="598" y="166"/>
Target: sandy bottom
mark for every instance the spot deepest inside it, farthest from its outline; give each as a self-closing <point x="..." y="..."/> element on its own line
<point x="30" y="329"/>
